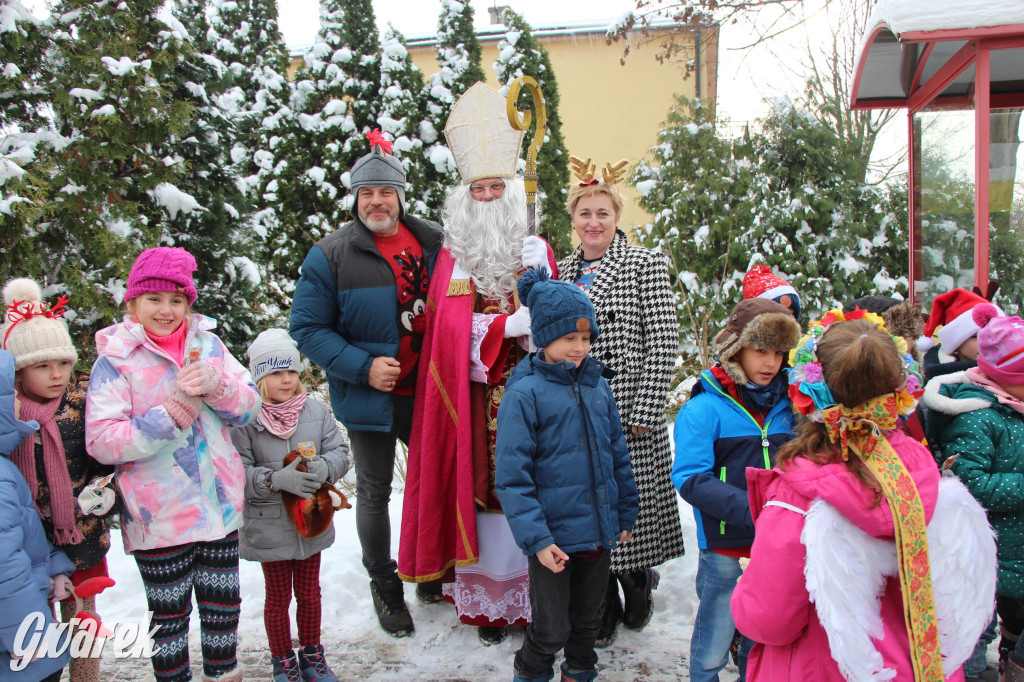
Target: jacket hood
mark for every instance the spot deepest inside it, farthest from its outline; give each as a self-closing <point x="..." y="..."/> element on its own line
<point x="954" y="394"/>
<point x="835" y="484"/>
<point x="119" y="340"/>
<point x="560" y="372"/>
<point x="12" y="430"/>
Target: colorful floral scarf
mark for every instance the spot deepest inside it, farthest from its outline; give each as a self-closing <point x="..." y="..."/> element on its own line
<point x="281" y="419"/>
<point x="860" y="430"/>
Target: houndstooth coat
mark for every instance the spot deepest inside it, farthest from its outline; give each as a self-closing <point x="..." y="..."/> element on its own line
<point x="639" y="339"/>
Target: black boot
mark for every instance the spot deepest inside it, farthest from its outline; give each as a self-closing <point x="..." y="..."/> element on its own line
<point x="389" y="602"/>
<point x="489" y="636"/>
<point x="429" y="593"/>
<point x="611" y="612"/>
<point x="636" y="587"/>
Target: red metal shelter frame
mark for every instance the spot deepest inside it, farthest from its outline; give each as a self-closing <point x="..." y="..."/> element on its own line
<point x="977" y="52"/>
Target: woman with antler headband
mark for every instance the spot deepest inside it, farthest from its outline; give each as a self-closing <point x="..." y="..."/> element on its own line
<point x="631" y="291"/>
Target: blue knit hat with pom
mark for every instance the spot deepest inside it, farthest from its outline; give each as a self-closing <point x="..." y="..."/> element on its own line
<point x="556" y="308"/>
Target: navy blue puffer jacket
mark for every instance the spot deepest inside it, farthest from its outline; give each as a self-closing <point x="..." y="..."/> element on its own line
<point x="562" y="468"/>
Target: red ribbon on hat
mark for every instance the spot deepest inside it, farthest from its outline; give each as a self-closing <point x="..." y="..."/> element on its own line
<point x="595" y="181"/>
<point x="19" y="311"/>
<point x="376" y="137"/>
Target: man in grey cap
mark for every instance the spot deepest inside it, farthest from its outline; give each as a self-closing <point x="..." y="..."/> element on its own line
<point x="357" y="312"/>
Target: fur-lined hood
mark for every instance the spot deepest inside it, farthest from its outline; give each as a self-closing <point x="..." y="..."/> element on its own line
<point x="960" y="397"/>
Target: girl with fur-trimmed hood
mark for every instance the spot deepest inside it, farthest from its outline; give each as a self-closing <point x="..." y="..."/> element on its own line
<point x="863" y="555"/>
<point x="738" y="416"/>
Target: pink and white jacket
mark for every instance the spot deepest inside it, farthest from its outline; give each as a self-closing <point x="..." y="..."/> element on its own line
<point x="177" y="486"/>
<point x="821" y="595"/>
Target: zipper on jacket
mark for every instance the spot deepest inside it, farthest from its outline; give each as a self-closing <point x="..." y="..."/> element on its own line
<point x="762" y="429"/>
<point x="721" y="476"/>
<point x="590" y="461"/>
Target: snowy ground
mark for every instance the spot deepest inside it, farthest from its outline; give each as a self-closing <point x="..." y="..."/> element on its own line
<point x="441" y="649"/>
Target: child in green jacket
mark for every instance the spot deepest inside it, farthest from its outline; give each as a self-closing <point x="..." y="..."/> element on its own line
<point x="978" y="424"/>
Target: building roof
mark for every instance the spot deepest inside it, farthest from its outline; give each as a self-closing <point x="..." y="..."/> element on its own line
<point x="910" y="41"/>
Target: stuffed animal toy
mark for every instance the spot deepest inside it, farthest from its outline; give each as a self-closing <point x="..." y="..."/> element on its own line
<point x="313" y="516"/>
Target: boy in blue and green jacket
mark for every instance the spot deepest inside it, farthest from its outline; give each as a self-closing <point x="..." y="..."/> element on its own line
<point x="737" y="417"/>
<point x="563" y="478"/>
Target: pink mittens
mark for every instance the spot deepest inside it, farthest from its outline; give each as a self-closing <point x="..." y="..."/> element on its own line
<point x="183" y="408"/>
<point x="201" y="379"/>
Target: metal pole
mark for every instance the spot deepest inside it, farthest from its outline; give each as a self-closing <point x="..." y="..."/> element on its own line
<point x="520" y="120"/>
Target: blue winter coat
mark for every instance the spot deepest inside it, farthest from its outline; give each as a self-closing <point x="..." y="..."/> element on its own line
<point x="345" y="313"/>
<point x="716" y="440"/>
<point x="562" y="469"/>
<point x="29" y="561"/>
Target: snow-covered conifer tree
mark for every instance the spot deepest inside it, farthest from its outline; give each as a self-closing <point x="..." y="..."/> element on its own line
<point x="458" y="55"/>
<point x="112" y="185"/>
<point x="520" y="54"/>
<point x="23" y="181"/>
<point x="400" y="85"/>
<point x="249" y="42"/>
<point x="217" y="231"/>
<point x="694" y="192"/>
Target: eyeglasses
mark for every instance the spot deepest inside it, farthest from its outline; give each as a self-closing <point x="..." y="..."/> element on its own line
<point x="495" y="187"/>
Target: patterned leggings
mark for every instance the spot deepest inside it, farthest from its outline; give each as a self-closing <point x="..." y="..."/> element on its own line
<point x="282" y="577"/>
<point x="170" y="574"/>
<point x="82" y="669"/>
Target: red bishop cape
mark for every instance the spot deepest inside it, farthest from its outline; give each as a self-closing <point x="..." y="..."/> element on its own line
<point x="441" y="490"/>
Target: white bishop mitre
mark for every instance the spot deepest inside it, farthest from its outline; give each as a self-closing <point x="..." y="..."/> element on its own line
<point x="483" y="142"/>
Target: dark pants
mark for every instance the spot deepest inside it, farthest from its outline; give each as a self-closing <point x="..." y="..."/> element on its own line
<point x="301" y="576"/>
<point x="566" y="608"/>
<point x="170" y="574"/>
<point x="374" y="455"/>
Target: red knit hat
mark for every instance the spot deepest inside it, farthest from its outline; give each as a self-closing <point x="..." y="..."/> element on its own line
<point x="1000" y="345"/>
<point x="761" y="282"/>
<point x="952" y="312"/>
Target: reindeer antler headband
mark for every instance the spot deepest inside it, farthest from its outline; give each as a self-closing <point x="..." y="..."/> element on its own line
<point x="585" y="170"/>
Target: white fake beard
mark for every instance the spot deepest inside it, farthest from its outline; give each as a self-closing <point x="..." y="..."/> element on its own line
<point x="486" y="237"/>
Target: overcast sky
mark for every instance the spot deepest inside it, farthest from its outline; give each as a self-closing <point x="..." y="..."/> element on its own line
<point x="745" y="79"/>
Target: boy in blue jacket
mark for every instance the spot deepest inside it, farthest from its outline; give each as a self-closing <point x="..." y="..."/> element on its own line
<point x="738" y="415"/>
<point x="32" y="568"/>
<point x="563" y="478"/>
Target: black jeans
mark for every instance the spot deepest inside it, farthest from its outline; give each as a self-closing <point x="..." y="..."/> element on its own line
<point x="566" y="608"/>
<point x="374" y="455"/>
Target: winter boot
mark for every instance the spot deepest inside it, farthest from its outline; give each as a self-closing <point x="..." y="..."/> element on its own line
<point x="286" y="668"/>
<point x="314" y="666"/>
<point x="611" y="612"/>
<point x="545" y="677"/>
<point x="573" y="675"/>
<point x="389" y="602"/>
<point x="636" y="588"/>
<point x="429" y="593"/>
<point x="231" y="676"/>
<point x="1014" y="670"/>
<point x="489" y="636"/>
<point x="1007" y="643"/>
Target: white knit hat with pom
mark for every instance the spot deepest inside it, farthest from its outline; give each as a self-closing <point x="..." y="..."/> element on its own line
<point x="32" y="331"/>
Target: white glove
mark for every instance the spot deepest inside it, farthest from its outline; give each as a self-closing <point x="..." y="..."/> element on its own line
<point x="518" y="323"/>
<point x="535" y="254"/>
<point x="97" y="497"/>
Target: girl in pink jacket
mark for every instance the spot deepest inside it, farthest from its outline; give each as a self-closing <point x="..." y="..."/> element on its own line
<point x="162" y="394"/>
<point x="866" y="565"/>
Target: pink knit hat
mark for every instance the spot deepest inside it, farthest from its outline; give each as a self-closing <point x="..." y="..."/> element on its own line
<point x="162" y="269"/>
<point x="1000" y="345"/>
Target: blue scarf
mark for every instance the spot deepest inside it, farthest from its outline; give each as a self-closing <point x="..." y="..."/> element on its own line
<point x="764" y="398"/>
